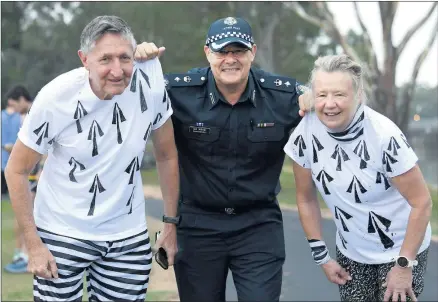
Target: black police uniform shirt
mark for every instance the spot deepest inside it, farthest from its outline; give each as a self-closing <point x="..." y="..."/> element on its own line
<point x="231" y="156"/>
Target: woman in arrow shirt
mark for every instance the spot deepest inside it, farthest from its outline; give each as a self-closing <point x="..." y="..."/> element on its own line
<point x="367" y="173"/>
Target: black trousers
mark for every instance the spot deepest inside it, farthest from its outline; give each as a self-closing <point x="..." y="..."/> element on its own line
<point x="250" y="244"/>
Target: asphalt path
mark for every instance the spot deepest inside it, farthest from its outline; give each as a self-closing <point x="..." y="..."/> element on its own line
<point x="302" y="279"/>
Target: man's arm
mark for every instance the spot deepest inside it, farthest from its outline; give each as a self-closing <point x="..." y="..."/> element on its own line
<point x="166" y="157"/>
<point x="21" y="162"/>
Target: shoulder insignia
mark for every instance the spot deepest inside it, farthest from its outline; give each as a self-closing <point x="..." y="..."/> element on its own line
<point x="277" y="83"/>
<point x="184" y="79"/>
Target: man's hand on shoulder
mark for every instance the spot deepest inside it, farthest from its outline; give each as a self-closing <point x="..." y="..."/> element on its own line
<point x="305" y="103"/>
<point x="147" y="51"/>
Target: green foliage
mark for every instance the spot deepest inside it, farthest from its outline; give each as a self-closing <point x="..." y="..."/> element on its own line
<point x="39" y="41"/>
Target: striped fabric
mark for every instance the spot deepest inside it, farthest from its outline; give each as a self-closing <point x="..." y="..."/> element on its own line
<point x="319" y="250"/>
<point x="115" y="270"/>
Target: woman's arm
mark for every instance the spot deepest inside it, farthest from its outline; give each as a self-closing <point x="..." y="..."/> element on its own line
<point x="413" y="188"/>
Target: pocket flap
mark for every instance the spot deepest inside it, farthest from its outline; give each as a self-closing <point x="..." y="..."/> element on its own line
<point x="268" y="134"/>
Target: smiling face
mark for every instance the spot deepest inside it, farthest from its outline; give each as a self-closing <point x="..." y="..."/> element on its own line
<point x="110" y="63"/>
<point x="336" y="100"/>
<point x="231" y="66"/>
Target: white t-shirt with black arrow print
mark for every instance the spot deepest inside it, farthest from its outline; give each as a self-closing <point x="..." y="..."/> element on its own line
<point x="91" y="185"/>
<point x="353" y="174"/>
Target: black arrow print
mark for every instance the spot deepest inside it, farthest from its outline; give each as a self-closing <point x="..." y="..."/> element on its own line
<point x="361" y="150"/>
<point x="316" y="142"/>
<point x="158" y="118"/>
<point x="322" y="176"/>
<point x="373" y="225"/>
<point x="75" y="163"/>
<point x="353" y="187"/>
<point x="95" y="187"/>
<point x="166" y="99"/>
<point x="379" y="180"/>
<point x="344" y="242"/>
<point x="405" y="140"/>
<point x="134" y="81"/>
<point x="130" y="200"/>
<point x="133" y="166"/>
<point x="146" y="78"/>
<point x="340" y="217"/>
<point x="143" y="104"/>
<point x="44" y="133"/>
<point x="148" y="132"/>
<point x="393" y="146"/>
<point x="388" y="160"/>
<point x="79" y="113"/>
<point x="118" y="118"/>
<point x="299" y="141"/>
<point x="338" y="154"/>
<point x="92" y="135"/>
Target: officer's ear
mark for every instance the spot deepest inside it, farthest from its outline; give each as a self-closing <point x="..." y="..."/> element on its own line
<point x="207" y="51"/>
<point x="253" y="52"/>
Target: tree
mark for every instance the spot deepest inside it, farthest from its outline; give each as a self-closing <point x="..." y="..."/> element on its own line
<point x="380" y="81"/>
<point x="47" y="39"/>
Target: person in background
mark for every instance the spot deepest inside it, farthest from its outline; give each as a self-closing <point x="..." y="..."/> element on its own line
<point x="367" y="173"/>
<point x="19" y="102"/>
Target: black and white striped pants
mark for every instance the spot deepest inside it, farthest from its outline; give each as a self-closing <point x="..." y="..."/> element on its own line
<point x="115" y="270"/>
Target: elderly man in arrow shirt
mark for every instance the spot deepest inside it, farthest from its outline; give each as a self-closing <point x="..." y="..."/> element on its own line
<point x="89" y="215"/>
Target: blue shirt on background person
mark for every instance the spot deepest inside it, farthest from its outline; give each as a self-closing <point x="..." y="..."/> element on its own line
<point x="11" y="123"/>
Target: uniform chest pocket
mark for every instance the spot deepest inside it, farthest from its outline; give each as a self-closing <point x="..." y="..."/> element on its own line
<point x="265" y="141"/>
<point x="201" y="139"/>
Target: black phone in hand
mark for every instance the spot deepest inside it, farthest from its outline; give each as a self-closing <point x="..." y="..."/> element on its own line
<point x="161" y="255"/>
<point x="161" y="258"/>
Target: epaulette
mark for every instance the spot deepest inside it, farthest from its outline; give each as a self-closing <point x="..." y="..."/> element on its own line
<point x="285" y="84"/>
<point x="184" y="79"/>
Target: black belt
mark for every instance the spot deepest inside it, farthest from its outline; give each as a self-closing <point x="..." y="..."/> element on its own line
<point x="229" y="211"/>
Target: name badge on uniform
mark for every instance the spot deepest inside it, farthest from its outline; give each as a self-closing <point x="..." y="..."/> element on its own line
<point x="265" y="125"/>
<point x="199" y="129"/>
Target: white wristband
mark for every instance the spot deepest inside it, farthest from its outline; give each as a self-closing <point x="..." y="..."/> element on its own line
<point x="319" y="251"/>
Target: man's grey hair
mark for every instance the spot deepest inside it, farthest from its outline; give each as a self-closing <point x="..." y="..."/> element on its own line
<point x="102" y="25"/>
<point x="341" y="63"/>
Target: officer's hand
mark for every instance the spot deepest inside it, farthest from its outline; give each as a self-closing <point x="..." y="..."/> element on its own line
<point x="167" y="241"/>
<point x="305" y="102"/>
<point x="147" y="51"/>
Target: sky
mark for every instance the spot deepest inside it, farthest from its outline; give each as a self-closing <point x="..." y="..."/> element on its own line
<point x="408" y="13"/>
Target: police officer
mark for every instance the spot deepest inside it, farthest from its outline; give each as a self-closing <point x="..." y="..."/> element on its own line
<point x="231" y="122"/>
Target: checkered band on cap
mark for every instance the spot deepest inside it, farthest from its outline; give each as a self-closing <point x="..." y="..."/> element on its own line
<point x="221" y="36"/>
